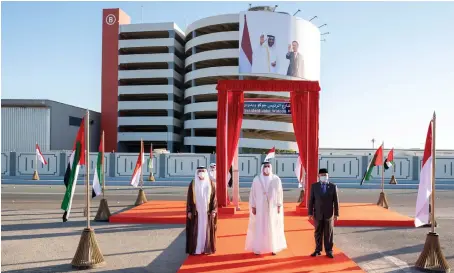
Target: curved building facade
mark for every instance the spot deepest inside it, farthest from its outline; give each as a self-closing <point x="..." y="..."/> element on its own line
<point x="180" y="111"/>
<point x="212" y="51"/>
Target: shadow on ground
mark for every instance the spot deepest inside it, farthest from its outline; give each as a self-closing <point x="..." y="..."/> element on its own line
<point x="169" y="261"/>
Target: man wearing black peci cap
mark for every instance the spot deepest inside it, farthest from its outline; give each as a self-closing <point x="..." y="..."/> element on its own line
<point x="323" y="205"/>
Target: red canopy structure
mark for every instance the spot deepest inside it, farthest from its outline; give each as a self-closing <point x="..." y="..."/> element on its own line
<point x="304" y="105"/>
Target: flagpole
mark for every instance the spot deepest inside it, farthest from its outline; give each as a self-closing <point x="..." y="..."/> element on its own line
<point x="382" y="200"/>
<point x="102" y="167"/>
<point x="35" y="173"/>
<point x="141" y="198"/>
<point x="383" y="168"/>
<point x="88" y="254"/>
<point x="103" y="213"/>
<point x="432" y="257"/>
<point x="87" y="165"/>
<point x="36" y="158"/>
<point x="432" y="201"/>
<point x="141" y="169"/>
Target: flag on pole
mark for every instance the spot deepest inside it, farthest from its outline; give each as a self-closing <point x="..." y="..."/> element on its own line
<point x="150" y="160"/>
<point x="425" y="183"/>
<point x="138" y="169"/>
<point x="377" y="160"/>
<point x="271" y="153"/>
<point x="98" y="178"/>
<point x="39" y="155"/>
<point x="389" y="162"/>
<point x="76" y="159"/>
<point x="300" y="172"/>
<point x="245" y="57"/>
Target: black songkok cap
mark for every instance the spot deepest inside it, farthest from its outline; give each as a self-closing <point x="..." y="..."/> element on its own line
<point x="323" y="170"/>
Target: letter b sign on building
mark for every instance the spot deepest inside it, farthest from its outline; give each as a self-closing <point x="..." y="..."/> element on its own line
<point x="110" y="19"/>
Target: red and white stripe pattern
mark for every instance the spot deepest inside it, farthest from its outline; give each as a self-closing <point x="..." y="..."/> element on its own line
<point x="138" y="169"/>
<point x="425" y="183"/>
<point x="39" y="155"/>
<point x="245" y="58"/>
<point x="271" y="154"/>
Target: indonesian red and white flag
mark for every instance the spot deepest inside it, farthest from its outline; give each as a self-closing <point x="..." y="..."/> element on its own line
<point x="138" y="169"/>
<point x="425" y="183"/>
<point x="39" y="155"/>
<point x="245" y="58"/>
<point x="271" y="153"/>
<point x="300" y="172"/>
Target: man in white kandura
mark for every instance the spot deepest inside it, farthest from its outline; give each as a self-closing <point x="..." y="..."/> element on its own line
<point x="264" y="57"/>
<point x="212" y="172"/>
<point x="266" y="219"/>
<point x="212" y="175"/>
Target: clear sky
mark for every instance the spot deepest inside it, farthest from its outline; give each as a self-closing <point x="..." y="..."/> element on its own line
<point x="386" y="66"/>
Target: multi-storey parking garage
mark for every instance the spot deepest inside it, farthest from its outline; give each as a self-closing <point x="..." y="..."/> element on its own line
<point x="164" y="85"/>
<point x="150" y="92"/>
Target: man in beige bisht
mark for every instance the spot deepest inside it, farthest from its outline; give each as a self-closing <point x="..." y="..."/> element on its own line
<point x="266" y="219"/>
<point x="201" y="209"/>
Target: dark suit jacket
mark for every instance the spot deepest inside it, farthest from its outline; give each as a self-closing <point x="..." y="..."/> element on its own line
<point x="323" y="206"/>
<point x="296" y="66"/>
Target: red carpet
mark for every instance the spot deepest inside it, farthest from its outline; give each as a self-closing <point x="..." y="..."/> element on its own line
<point x="231" y="257"/>
<point x="351" y="214"/>
<point x="153" y="212"/>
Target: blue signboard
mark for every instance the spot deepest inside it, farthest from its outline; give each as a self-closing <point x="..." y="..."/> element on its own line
<point x="267" y="108"/>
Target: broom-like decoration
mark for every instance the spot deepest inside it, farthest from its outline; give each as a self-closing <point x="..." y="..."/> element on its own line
<point x="393" y="180"/>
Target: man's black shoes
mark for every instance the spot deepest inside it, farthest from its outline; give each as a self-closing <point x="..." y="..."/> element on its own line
<point x="328" y="254"/>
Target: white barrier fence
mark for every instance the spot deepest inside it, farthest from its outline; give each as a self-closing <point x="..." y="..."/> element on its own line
<point x="350" y="167"/>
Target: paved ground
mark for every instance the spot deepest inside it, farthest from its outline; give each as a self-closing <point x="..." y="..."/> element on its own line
<point x="35" y="240"/>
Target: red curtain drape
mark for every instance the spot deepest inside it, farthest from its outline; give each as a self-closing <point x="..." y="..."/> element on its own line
<point x="235" y="110"/>
<point x="221" y="149"/>
<point x="299" y="108"/>
<point x="314" y="98"/>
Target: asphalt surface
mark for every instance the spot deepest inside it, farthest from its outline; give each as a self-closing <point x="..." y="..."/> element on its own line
<point x="35" y="240"/>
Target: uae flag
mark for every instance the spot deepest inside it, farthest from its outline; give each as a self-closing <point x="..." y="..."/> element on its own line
<point x="138" y="169"/>
<point x="377" y="160"/>
<point x="389" y="162"/>
<point x="245" y="58"/>
<point x="300" y="172"/>
<point x="39" y="155"/>
<point x="271" y="153"/>
<point x="425" y="183"/>
<point x="150" y="160"/>
<point x="98" y="178"/>
<point x="76" y="159"/>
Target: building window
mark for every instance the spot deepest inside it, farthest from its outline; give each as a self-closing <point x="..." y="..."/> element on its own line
<point x="73" y="121"/>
